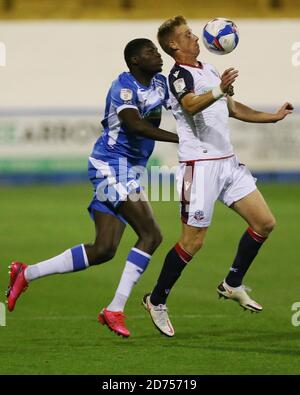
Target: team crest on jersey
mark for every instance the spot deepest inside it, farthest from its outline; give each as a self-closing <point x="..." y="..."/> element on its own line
<point x="179" y="85"/>
<point x="126" y="94"/>
<point x="199" y="215"/>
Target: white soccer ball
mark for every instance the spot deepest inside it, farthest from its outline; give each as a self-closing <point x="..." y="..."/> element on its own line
<point x="220" y="36"/>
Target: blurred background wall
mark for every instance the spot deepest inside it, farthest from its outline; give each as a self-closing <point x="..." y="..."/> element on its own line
<point x="146" y="9"/>
<point x="61" y="57"/>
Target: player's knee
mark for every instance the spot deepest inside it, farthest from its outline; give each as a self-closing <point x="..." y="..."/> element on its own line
<point x="154" y="239"/>
<point x="151" y="238"/>
<point x="266" y="227"/>
<point x="197" y="245"/>
<point x="269" y="226"/>
<point x="192" y="245"/>
<point x="157" y="238"/>
<point x="104" y="253"/>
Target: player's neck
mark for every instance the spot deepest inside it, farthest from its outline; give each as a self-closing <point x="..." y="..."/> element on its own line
<point x="187" y="59"/>
<point x="142" y="78"/>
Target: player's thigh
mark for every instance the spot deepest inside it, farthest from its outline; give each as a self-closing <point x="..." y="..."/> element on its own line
<point x="137" y="211"/>
<point x="199" y="185"/>
<point x="254" y="209"/>
<point x="192" y="238"/>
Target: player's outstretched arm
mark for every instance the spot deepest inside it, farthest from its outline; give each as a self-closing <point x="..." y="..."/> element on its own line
<point x="193" y="103"/>
<point x="243" y="113"/>
<point x="131" y="118"/>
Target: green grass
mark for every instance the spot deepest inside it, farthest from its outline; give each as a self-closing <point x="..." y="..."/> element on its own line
<point x="54" y="328"/>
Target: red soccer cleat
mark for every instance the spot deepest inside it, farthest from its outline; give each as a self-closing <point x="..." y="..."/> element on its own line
<point x="115" y="322"/>
<point x="17" y="283"/>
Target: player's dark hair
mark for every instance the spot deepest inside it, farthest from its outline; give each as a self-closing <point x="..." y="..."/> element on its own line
<point x="133" y="48"/>
<point x="166" y="30"/>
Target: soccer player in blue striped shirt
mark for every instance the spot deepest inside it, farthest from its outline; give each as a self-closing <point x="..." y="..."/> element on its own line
<point x="131" y="124"/>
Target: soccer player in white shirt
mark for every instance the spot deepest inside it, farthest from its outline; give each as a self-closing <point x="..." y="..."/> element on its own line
<point x="202" y="103"/>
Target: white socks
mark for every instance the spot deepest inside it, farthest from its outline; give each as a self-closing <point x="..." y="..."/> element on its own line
<point x="71" y="260"/>
<point x="136" y="264"/>
<point x="76" y="259"/>
<point x="118" y="302"/>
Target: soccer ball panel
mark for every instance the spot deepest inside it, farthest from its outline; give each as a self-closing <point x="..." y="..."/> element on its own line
<point x="228" y="42"/>
<point x="215" y="26"/>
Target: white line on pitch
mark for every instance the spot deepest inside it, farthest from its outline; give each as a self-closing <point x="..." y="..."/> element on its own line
<point x="91" y="318"/>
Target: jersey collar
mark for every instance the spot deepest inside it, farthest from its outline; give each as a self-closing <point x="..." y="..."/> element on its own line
<point x="200" y="65"/>
<point x="136" y="82"/>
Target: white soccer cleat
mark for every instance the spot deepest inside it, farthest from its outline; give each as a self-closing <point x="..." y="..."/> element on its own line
<point x="240" y="295"/>
<point x="159" y="316"/>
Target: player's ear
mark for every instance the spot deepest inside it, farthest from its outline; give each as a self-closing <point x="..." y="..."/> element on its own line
<point x="173" y="45"/>
<point x="134" y="60"/>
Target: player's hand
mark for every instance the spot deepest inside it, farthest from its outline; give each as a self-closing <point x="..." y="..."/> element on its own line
<point x="286" y="109"/>
<point x="228" y="78"/>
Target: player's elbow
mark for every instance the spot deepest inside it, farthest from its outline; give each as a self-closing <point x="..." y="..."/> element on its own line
<point x="232" y="113"/>
<point x="193" y="108"/>
<point x="188" y="105"/>
<point x="192" y="112"/>
<point x="234" y="109"/>
<point x="190" y="109"/>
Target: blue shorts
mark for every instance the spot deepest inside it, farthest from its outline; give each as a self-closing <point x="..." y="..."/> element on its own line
<point x="113" y="181"/>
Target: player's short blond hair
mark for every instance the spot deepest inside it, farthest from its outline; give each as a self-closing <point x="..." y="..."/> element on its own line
<point x="166" y="30"/>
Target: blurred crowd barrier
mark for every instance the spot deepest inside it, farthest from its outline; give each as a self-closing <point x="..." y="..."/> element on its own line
<point x="57" y="74"/>
<point x="146" y="9"/>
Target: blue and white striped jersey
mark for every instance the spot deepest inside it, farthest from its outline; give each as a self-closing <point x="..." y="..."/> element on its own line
<point x="116" y="140"/>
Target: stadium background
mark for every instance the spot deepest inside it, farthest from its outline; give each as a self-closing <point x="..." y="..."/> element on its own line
<point x="61" y="57"/>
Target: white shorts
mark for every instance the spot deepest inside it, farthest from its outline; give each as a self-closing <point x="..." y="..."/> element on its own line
<point x="201" y="183"/>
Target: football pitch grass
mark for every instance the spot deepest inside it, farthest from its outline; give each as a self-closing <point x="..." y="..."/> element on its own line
<point x="54" y="328"/>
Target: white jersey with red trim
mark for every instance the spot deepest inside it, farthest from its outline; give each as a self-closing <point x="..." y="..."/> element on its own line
<point x="206" y="134"/>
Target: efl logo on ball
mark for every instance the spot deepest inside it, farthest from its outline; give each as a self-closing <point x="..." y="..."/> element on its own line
<point x="220" y="36"/>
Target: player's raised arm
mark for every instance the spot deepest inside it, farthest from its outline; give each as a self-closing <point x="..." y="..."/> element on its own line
<point x="193" y="103"/>
<point x="243" y="113"/>
<point x="131" y="118"/>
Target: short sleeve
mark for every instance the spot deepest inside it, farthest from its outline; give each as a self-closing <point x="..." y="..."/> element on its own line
<point x="163" y="86"/>
<point x="124" y="95"/>
<point x="167" y="101"/>
<point x="181" y="82"/>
